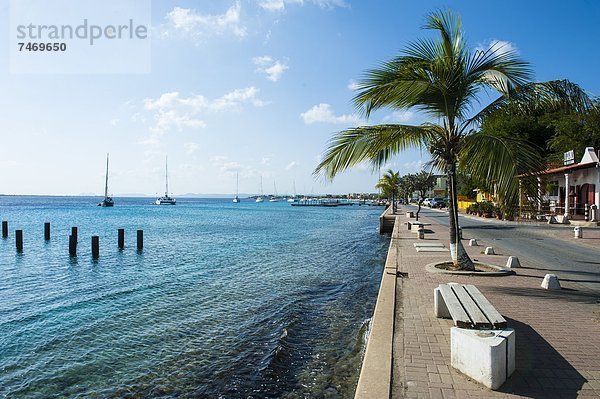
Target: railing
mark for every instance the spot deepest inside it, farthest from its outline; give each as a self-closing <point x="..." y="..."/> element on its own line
<point x="578" y="211"/>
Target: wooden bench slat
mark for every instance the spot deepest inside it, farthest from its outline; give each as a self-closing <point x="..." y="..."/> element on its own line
<point x="490" y="312"/>
<point x="460" y="317"/>
<point x="475" y="314"/>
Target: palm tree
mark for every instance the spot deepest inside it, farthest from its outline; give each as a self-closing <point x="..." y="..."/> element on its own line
<point x="442" y="78"/>
<point x="389" y="184"/>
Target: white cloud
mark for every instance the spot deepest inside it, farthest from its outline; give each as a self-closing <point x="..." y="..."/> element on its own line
<point x="218" y="159"/>
<point x="330" y="4"/>
<point x="237" y="98"/>
<point x="499" y="46"/>
<point x="114" y="122"/>
<point x="170" y="111"/>
<point x="291" y="165"/>
<point x="272" y="5"/>
<point x="265" y="161"/>
<point x="323" y="113"/>
<point x="399" y="117"/>
<point x="191" y="23"/>
<point x="352" y="85"/>
<point x="270" y="67"/>
<point x="166" y="120"/>
<point x="191" y="148"/>
<point x="413" y="167"/>
<point x="279" y="5"/>
<point x="224" y="165"/>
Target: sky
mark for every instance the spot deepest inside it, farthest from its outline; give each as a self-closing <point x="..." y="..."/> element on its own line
<point x="254" y="88"/>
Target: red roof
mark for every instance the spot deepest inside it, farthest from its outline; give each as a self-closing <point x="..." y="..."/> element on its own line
<point x="569" y="168"/>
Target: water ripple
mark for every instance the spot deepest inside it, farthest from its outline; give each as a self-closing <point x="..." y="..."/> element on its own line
<point x="231" y="301"/>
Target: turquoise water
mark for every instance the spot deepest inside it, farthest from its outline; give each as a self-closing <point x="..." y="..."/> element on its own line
<point x="226" y="300"/>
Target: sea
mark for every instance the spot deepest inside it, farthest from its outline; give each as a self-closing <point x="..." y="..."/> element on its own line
<point x="247" y="300"/>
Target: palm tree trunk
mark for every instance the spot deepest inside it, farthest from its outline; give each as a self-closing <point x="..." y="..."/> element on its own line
<point x="460" y="258"/>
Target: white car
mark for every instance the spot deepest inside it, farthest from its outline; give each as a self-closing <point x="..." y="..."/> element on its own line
<point x="427" y="201"/>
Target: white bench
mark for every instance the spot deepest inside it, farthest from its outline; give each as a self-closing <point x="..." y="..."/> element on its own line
<point x="482" y="346"/>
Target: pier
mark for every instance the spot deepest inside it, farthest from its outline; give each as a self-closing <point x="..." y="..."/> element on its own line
<point x="386" y="221"/>
<point x="328" y="202"/>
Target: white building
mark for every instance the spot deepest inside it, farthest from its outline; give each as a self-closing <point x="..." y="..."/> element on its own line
<point x="573" y="191"/>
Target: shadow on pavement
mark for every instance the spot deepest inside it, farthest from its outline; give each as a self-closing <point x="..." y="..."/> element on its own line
<point x="569" y="295"/>
<point x="541" y="371"/>
<point x="487" y="227"/>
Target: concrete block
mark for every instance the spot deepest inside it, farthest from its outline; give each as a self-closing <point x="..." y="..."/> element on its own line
<point x="489" y="251"/>
<point x="472" y="242"/>
<point x="551" y="282"/>
<point x="414" y="226"/>
<point x="410" y="214"/>
<point x="421" y="233"/>
<point x="439" y="305"/>
<point x="431" y="249"/>
<point x="487" y="356"/>
<point x="513" y="261"/>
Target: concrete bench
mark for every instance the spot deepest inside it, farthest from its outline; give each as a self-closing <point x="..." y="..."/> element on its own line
<point x="482" y="346"/>
<point x="414" y="226"/>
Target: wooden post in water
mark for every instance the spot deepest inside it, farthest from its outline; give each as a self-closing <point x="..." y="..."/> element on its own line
<point x="4" y="228"/>
<point x="19" y="240"/>
<point x="47" y="231"/>
<point x="95" y="247"/>
<point x="72" y="245"/>
<point x="140" y="240"/>
<point x="121" y="239"/>
<point x="74" y="233"/>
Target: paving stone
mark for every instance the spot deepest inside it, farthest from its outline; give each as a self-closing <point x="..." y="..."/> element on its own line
<point x="557" y="353"/>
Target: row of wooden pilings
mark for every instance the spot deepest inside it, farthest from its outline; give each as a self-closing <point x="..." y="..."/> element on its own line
<point x="73" y="239"/>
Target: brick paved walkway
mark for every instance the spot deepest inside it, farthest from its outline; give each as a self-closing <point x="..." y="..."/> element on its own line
<point x="557" y="332"/>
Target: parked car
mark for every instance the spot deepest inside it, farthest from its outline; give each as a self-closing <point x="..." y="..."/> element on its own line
<point x="438" y="203"/>
<point x="427" y="201"/>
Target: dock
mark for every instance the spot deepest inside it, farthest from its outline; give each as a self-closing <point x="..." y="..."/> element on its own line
<point x="332" y="203"/>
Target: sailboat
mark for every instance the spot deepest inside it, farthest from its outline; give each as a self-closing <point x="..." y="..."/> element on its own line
<point x="107" y="201"/>
<point x="293" y="199"/>
<point x="274" y="197"/>
<point x="260" y="197"/>
<point x="166" y="200"/>
<point x="236" y="199"/>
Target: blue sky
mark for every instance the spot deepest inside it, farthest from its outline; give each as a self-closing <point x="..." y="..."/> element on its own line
<point x="255" y="87"/>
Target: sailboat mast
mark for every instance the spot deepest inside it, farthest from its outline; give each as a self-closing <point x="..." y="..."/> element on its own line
<point x="166" y="177"/>
<point x="237" y="184"/>
<point x="106" y="182"/>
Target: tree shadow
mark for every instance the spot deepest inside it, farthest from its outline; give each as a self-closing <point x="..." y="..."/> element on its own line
<point x="565" y="294"/>
<point x="541" y="372"/>
<point x="487" y="227"/>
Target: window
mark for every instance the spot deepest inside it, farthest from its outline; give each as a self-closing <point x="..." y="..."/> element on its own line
<point x="553" y="188"/>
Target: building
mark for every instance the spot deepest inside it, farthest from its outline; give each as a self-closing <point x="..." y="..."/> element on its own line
<point x="572" y="191"/>
<point x="440" y="190"/>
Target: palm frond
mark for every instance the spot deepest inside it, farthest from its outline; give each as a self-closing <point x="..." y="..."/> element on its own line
<point x="499" y="161"/>
<point x="375" y="144"/>
<point x="536" y="99"/>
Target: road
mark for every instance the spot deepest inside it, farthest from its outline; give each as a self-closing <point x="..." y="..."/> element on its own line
<point x="536" y="247"/>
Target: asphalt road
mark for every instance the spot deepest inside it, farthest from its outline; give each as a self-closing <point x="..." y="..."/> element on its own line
<point x="536" y="248"/>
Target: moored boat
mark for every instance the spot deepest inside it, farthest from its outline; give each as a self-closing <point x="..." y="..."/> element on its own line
<point x="166" y="200"/>
<point x="108" y="200"/>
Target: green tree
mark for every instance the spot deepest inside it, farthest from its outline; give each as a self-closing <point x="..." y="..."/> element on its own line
<point x="406" y="188"/>
<point x="553" y="131"/>
<point x="576" y="132"/>
<point x="389" y="184"/>
<point x="443" y="78"/>
<point x="421" y="183"/>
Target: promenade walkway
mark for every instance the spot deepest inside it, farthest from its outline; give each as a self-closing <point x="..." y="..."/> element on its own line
<point x="557" y="332"/>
